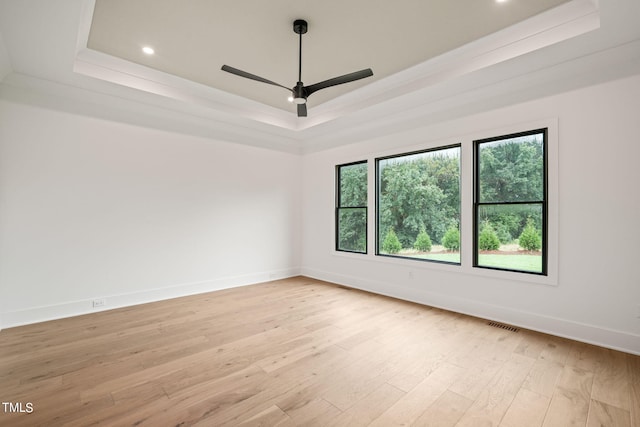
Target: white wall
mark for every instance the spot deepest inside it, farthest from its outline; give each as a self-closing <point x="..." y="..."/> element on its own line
<point x="92" y="208"/>
<point x="596" y="297"/>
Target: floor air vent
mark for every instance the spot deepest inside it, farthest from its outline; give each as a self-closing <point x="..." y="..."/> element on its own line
<point x="503" y="326"/>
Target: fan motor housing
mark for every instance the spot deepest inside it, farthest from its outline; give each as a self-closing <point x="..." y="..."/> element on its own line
<point x="300" y="26"/>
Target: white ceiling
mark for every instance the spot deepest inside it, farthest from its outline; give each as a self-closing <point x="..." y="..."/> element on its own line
<point x="84" y="57"/>
<point x="193" y="40"/>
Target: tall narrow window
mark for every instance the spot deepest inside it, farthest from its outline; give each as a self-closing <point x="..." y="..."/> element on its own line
<point x="510" y="202"/>
<point x="418" y="205"/>
<point x="351" y="207"/>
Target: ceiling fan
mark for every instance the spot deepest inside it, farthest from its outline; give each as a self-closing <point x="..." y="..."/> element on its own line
<point x="300" y="92"/>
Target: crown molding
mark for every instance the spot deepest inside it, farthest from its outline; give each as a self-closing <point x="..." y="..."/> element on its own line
<point x="555" y="25"/>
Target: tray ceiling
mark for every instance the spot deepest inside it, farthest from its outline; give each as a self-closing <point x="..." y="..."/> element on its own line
<point x="434" y="60"/>
<point x="193" y="39"/>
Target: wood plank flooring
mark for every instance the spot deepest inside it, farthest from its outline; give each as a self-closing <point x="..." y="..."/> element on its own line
<point x="301" y="352"/>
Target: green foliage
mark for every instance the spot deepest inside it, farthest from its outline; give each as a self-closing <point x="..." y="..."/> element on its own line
<point x="488" y="240"/>
<point x="451" y="239"/>
<point x="530" y="238"/>
<point x="502" y="231"/>
<point x="391" y="243"/>
<point x="352" y="229"/>
<point x="511" y="170"/>
<point x="353" y="185"/>
<point x="419" y="191"/>
<point x="423" y="241"/>
<point x="508" y="221"/>
<point x="352" y="211"/>
<point x="422" y="190"/>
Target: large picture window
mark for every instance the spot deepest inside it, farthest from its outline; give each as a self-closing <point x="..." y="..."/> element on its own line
<point x="510" y="202"/>
<point x="418" y="205"/>
<point x="351" y="207"/>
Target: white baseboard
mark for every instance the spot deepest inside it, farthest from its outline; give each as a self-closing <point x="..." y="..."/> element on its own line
<point x="617" y="340"/>
<point x="76" y="308"/>
<point x="591" y="334"/>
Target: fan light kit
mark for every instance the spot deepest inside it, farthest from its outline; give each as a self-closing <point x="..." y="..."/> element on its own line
<point x="300" y="92"/>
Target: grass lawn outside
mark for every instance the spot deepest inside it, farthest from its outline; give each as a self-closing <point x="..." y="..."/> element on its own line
<point x="508" y="258"/>
<point x="516" y="261"/>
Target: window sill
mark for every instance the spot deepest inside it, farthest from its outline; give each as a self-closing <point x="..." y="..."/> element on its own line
<point x="464" y="268"/>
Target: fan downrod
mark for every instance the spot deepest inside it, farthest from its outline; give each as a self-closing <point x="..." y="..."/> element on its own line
<point x="300" y="26"/>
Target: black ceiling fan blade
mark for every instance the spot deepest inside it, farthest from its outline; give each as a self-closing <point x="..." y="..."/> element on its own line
<point x="246" y="75"/>
<point x="302" y="110"/>
<point x="347" y="78"/>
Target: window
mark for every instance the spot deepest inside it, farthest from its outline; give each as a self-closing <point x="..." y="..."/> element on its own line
<point x="351" y="207"/>
<point x="510" y="202"/>
<point x="418" y="205"/>
<point x="502" y="189"/>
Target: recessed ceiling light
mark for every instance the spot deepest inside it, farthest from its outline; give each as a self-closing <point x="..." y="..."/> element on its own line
<point x="501" y="1"/>
<point x="148" y="50"/>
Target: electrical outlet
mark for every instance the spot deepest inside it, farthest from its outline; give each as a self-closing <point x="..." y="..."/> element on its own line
<point x="411" y="275"/>
<point x="99" y="302"/>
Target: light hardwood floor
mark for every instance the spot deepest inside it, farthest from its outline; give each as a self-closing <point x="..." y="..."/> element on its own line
<point x="304" y="352"/>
